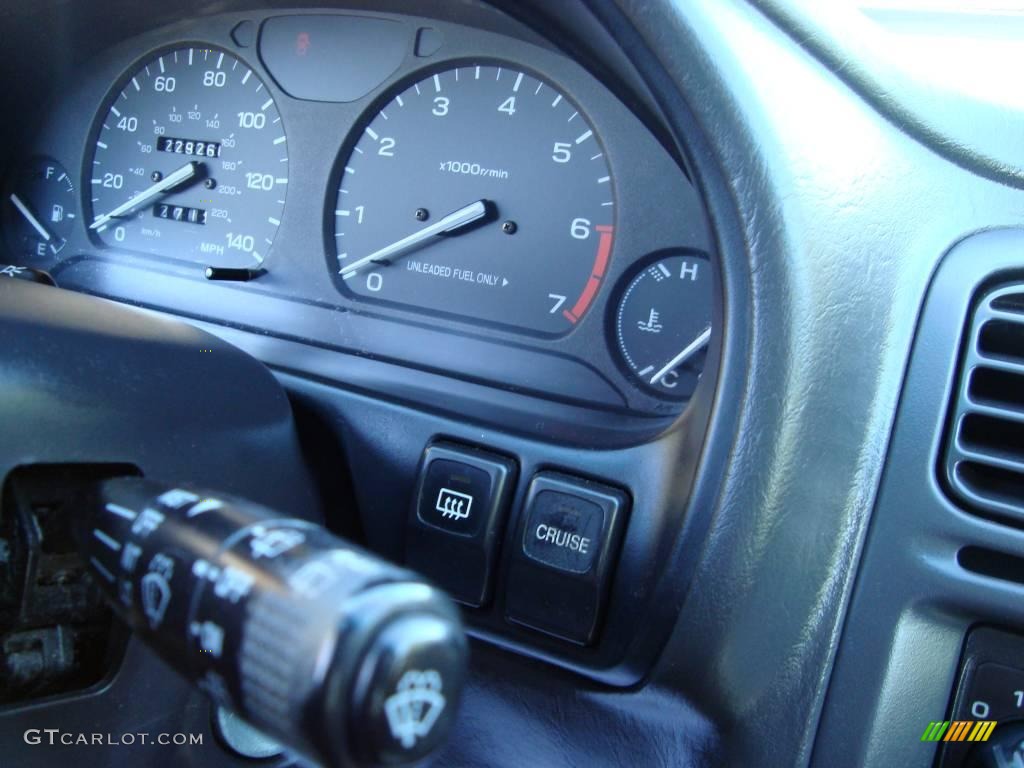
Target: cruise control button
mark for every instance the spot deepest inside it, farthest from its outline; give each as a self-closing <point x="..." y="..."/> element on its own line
<point x="567" y="545"/>
<point x="457" y="518"/>
<point x="564" y="531"/>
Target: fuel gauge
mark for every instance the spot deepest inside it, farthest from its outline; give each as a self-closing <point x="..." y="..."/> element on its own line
<point x="39" y="209"/>
<point x="663" y="324"/>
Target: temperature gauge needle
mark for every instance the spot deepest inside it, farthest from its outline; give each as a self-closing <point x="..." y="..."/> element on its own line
<point x="31" y="219"/>
<point x="689" y="351"/>
<point x="166" y="184"/>
<point x="446" y="226"/>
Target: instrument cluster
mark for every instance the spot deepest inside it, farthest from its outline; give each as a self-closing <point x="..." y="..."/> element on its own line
<point x="421" y="192"/>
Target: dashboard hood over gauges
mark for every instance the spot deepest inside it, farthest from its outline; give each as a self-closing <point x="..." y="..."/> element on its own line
<point x="477" y="208"/>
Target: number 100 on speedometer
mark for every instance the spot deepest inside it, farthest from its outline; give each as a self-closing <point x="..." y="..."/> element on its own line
<point x="190" y="162"/>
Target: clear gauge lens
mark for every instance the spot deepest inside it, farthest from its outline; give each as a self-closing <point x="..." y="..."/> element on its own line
<point x="190" y="162"/>
<point x="663" y="324"/>
<point x="480" y="191"/>
<point x="39" y="209"/>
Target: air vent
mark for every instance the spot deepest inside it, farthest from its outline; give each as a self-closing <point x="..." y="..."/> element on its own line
<point x="984" y="462"/>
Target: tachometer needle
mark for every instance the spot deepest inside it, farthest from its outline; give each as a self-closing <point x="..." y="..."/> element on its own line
<point x="166" y="184"/>
<point x="689" y="351"/>
<point x="31" y="219"/>
<point x="446" y="226"/>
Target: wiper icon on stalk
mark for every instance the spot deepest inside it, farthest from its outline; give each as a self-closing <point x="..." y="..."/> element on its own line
<point x="453" y="504"/>
<point x="415" y="706"/>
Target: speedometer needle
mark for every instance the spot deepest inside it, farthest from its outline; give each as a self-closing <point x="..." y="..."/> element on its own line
<point x="166" y="184"/>
<point x="31" y="219"/>
<point x="689" y="351"/>
<point x="446" y="226"/>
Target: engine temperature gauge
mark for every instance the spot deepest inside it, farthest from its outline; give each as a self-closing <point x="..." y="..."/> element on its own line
<point x="38" y="209"/>
<point x="663" y="324"/>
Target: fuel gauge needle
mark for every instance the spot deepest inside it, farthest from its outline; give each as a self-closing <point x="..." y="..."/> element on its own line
<point x="31" y="219"/>
<point x="166" y="184"/>
<point x="448" y="225"/>
<point x="689" y="351"/>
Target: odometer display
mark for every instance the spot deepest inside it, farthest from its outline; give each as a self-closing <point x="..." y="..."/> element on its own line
<point x="480" y="191"/>
<point x="190" y="162"/>
<point x="187" y="147"/>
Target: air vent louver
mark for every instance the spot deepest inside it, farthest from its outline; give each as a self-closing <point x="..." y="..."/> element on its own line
<point x="984" y="462"/>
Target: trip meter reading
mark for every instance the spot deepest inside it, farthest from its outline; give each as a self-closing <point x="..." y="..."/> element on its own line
<point x="190" y="162"/>
<point x="663" y="324"/>
<point x="479" y="191"/>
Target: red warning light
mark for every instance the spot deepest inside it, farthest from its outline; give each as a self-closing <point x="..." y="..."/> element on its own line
<point x="302" y="43"/>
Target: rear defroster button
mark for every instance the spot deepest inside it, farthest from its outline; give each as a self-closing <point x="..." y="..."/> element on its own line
<point x="453" y="505"/>
<point x="453" y="495"/>
<point x="457" y="518"/>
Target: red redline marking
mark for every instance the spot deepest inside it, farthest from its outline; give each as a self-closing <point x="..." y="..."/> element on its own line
<point x="604" y="249"/>
<point x="586" y="297"/>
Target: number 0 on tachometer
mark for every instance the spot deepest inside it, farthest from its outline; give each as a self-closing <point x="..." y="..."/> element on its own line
<point x="479" y="191"/>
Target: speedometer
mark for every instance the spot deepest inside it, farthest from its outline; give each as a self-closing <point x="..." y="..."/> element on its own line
<point x="480" y="191"/>
<point x="190" y="161"/>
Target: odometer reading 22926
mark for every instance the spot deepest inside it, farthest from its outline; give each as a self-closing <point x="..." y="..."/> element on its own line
<point x="481" y="192"/>
<point x="190" y="162"/>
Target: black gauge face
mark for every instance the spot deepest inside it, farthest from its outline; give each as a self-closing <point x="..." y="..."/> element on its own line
<point x="480" y="191"/>
<point x="39" y="209"/>
<point x="663" y="324"/>
<point x="190" y="162"/>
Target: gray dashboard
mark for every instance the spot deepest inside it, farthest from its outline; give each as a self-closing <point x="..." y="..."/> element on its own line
<point x="789" y="591"/>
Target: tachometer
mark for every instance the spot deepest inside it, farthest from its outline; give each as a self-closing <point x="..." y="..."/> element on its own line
<point x="190" y="161"/>
<point x="480" y="191"/>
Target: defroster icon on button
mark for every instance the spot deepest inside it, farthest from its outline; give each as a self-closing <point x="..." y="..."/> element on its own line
<point x="453" y="504"/>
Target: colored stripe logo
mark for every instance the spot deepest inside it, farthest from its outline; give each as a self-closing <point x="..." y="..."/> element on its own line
<point x="959" y="730"/>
